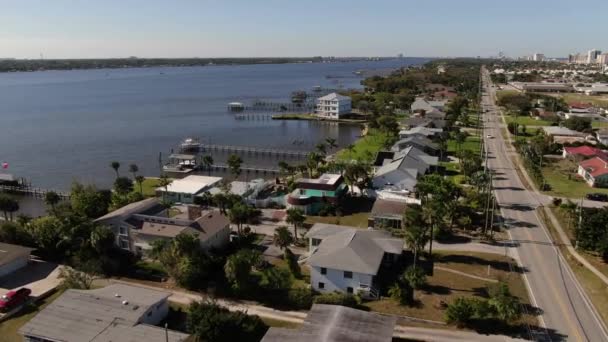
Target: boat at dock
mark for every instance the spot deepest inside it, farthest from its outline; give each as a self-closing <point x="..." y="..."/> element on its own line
<point x="190" y="145"/>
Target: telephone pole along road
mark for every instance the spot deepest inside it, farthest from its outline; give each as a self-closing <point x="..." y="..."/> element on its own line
<point x="567" y="313"/>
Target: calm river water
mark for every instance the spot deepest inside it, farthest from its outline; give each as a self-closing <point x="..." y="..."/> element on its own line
<point x="60" y="126"/>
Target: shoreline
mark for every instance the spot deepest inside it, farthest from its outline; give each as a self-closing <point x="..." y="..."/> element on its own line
<point x="310" y="117"/>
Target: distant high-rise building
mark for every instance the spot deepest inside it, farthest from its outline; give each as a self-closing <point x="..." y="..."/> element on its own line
<point x="538" y="57"/>
<point x="592" y="56"/>
<point x="602" y="59"/>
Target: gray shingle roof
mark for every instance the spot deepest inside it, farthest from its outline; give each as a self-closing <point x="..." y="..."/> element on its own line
<point x="132" y="208"/>
<point x="351" y="249"/>
<point x="80" y="316"/>
<point x="334" y="323"/>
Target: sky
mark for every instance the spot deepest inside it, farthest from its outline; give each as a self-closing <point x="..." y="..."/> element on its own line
<point x="260" y="28"/>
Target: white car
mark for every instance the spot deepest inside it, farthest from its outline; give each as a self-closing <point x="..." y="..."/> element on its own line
<point x="489" y="136"/>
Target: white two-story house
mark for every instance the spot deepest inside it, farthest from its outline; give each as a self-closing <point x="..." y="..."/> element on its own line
<point x="332" y="106"/>
<point x="347" y="259"/>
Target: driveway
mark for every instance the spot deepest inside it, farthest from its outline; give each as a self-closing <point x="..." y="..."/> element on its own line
<point x="39" y="276"/>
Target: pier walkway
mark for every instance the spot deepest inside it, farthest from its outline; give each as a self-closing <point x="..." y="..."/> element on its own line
<point x="253" y="150"/>
<point x="248" y="169"/>
<point x="32" y="191"/>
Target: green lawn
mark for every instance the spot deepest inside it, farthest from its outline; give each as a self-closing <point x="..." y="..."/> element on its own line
<point x="471" y="143"/>
<point x="354" y="220"/>
<point x="149" y="186"/>
<point x="557" y="176"/>
<point x="528" y="121"/>
<point x="365" y="149"/>
<point x="452" y="171"/>
<point x="9" y="328"/>
<point x="598" y="124"/>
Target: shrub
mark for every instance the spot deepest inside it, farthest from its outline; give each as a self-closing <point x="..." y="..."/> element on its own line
<point x="337" y="298"/>
<point x="300" y="298"/>
<point x="460" y="311"/>
<point x="414" y="277"/>
<point x="557" y="201"/>
<point x="402" y="293"/>
<point x="292" y="263"/>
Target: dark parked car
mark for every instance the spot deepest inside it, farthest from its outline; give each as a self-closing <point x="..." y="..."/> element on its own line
<point x="597" y="196"/>
<point x="13" y="299"/>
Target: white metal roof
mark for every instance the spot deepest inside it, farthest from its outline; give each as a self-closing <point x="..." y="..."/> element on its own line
<point x="191" y="185"/>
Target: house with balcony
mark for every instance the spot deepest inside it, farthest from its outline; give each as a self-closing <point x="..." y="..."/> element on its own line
<point x="348" y="260"/>
<point x="138" y="224"/>
<point x="311" y="195"/>
<point x="332" y="106"/>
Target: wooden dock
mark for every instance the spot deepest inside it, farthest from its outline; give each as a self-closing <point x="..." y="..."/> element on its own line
<point x="32" y="191"/>
<point x="248" y="169"/>
<point x="254" y="150"/>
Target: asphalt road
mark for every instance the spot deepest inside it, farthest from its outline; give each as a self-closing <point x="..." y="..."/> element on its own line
<point x="567" y="313"/>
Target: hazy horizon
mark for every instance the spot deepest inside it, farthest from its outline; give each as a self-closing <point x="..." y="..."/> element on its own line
<point x="64" y="29"/>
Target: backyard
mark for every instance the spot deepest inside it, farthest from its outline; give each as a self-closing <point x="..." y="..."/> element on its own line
<point x="365" y="149"/>
<point x="563" y="180"/>
<point x="445" y="286"/>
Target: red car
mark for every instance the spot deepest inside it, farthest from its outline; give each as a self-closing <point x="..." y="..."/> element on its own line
<point x="13" y="299"/>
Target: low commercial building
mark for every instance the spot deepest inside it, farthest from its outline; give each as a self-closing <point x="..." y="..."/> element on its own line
<point x="184" y="190"/>
<point x="311" y="195"/>
<point x="347" y="259"/>
<point x="13" y="258"/>
<point x="594" y="171"/>
<point x="325" y="323"/>
<point x="593" y="89"/>
<point x="114" y="313"/>
<point x="562" y="135"/>
<point x="333" y="105"/>
<point x="542" y="87"/>
<point x="138" y="224"/>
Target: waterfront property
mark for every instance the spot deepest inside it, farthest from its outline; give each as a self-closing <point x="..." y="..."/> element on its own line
<point x="138" y="224"/>
<point x="184" y="190"/>
<point x="13" y="258"/>
<point x="347" y="259"/>
<point x="337" y="323"/>
<point x="114" y="313"/>
<point x="311" y="195"/>
<point x="594" y="171"/>
<point x="332" y="106"/>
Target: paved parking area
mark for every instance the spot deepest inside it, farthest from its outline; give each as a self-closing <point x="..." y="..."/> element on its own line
<point x="38" y="276"/>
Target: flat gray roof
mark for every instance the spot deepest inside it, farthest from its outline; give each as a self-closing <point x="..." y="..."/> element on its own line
<point x="79" y="315"/>
<point x="334" y="323"/>
<point x="9" y="252"/>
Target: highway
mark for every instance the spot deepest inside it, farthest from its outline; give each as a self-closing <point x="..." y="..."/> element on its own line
<point x="567" y="313"/>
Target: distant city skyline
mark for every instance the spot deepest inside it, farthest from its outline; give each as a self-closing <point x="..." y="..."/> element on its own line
<point x="241" y="28"/>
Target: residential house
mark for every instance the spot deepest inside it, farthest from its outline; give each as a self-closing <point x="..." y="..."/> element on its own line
<point x="387" y="213"/>
<point x="138" y="224"/>
<point x="420" y="131"/>
<point x="422" y="104"/>
<point x="602" y="136"/>
<point x="417" y="121"/>
<point x="13" y="258"/>
<point x="311" y="195"/>
<point x="116" y="312"/>
<point x="332" y="106"/>
<point x="594" y="171"/>
<point x="583" y="152"/>
<point x="420" y="142"/>
<point x="347" y="259"/>
<point x="402" y="171"/>
<point x="186" y="189"/>
<point x="579" y="107"/>
<point x="562" y="135"/>
<point x="328" y="323"/>
<point x="444" y="95"/>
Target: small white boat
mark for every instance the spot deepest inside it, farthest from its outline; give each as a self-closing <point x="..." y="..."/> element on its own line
<point x="190" y="144"/>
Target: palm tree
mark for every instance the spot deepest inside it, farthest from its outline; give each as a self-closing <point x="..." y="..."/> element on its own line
<point x="234" y="164"/>
<point x="133" y="169"/>
<point x="51" y="199"/>
<point x="331" y="143"/>
<point x="139" y="179"/>
<point x="8" y="205"/>
<point x="321" y="148"/>
<point x="207" y="163"/>
<point x="415" y="235"/>
<point x="282" y="237"/>
<point x="164" y="182"/>
<point x="296" y="217"/>
<point x="115" y="165"/>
